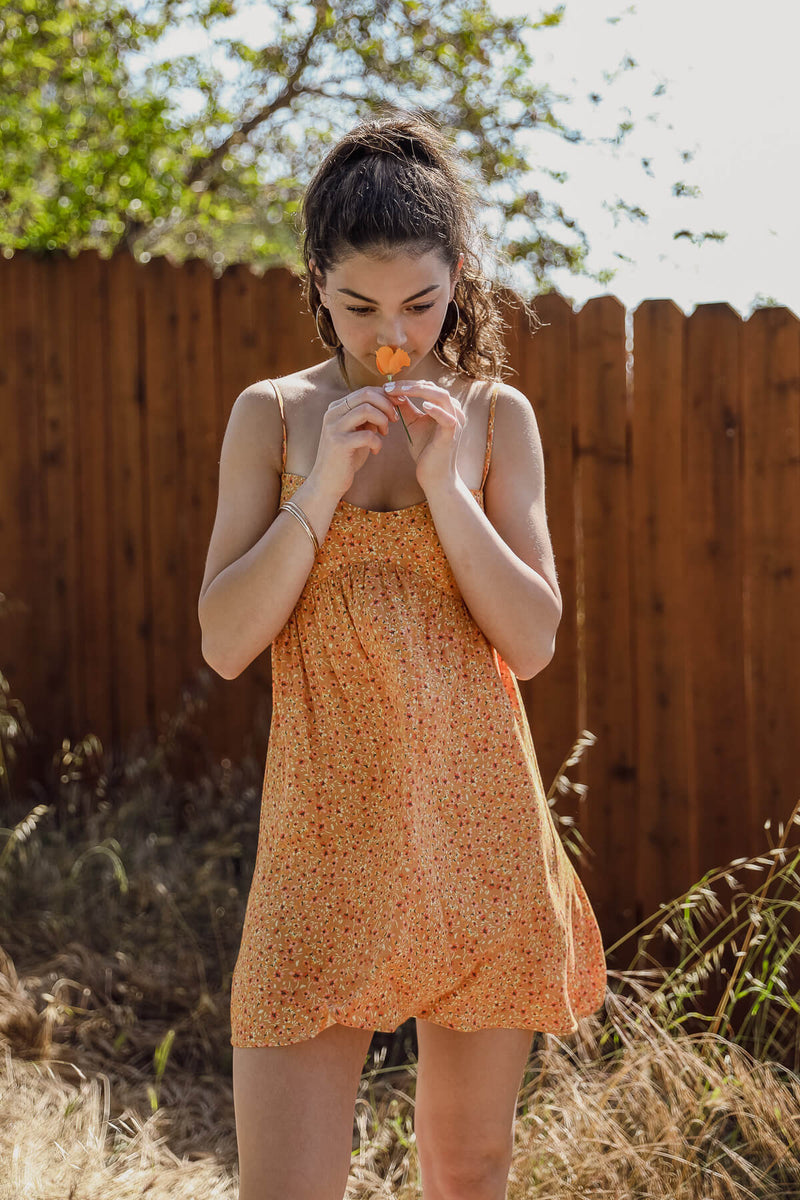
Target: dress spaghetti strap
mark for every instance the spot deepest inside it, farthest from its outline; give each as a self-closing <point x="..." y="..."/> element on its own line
<point x="283" y="424"/>
<point x="489" y="434"/>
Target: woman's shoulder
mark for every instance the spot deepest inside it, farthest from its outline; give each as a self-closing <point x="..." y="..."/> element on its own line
<point x="482" y="395"/>
<point x="515" y="431"/>
<point x="502" y="394"/>
<point x="262" y="395"/>
<point x="293" y="387"/>
<point x="277" y="402"/>
<point x="498" y="413"/>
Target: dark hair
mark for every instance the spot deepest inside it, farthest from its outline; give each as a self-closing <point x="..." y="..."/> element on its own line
<point x="394" y="183"/>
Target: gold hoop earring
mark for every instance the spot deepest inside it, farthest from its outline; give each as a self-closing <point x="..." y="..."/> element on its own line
<point x="450" y="335"/>
<point x="325" y="342"/>
<point x="458" y="320"/>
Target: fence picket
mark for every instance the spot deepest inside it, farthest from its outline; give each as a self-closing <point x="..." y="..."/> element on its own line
<point x="714" y="580"/>
<point x="606" y="700"/>
<point x="667" y="850"/>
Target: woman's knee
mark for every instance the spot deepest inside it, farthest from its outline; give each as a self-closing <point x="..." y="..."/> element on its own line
<point x="294" y="1110"/>
<point x="471" y="1174"/>
<point x="466" y="1093"/>
<point x="466" y="1162"/>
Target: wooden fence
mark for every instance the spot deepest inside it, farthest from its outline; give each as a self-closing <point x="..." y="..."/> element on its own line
<point x="673" y="498"/>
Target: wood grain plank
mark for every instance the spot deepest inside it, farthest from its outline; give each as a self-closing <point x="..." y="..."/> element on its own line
<point x="771" y="504"/>
<point x="61" y="580"/>
<point x="131" y="616"/>
<point x="91" y="384"/>
<point x="17" y="448"/>
<point x="197" y="420"/>
<point x="606" y="682"/>
<point x="162" y="386"/>
<point x="714" y="582"/>
<point x="22" y="515"/>
<point x="667" y="851"/>
<point x="547" y="378"/>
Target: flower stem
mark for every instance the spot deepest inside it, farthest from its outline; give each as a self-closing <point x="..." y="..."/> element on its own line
<point x="400" y="415"/>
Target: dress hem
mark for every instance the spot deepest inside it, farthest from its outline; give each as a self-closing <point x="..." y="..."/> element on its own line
<point x="443" y="1024"/>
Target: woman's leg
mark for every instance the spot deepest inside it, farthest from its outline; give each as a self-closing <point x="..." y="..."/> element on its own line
<point x="294" y="1115"/>
<point x="466" y="1102"/>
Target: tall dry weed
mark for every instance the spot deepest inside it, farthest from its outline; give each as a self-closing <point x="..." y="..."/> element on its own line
<point x="59" y="1139"/>
<point x="664" y="1116"/>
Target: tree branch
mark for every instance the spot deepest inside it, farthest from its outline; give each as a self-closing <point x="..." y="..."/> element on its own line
<point x="203" y="168"/>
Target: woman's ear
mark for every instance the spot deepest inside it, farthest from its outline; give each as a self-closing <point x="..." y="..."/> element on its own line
<point x="319" y="281"/>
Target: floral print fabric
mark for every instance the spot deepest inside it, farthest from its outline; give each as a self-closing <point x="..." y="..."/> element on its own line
<point x="407" y="863"/>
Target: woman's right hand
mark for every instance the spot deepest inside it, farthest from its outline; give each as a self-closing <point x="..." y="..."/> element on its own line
<point x="352" y="428"/>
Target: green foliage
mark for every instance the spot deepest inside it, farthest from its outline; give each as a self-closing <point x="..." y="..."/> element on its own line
<point x="160" y="1058"/>
<point x="101" y="154"/>
<point x="79" y="142"/>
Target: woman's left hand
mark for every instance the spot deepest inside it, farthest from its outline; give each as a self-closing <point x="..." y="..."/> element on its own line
<point x="435" y="429"/>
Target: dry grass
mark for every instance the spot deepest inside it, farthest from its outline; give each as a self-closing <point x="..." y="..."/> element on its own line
<point x="683" y="1117"/>
<point x="58" y="1139"/>
<point x="121" y="900"/>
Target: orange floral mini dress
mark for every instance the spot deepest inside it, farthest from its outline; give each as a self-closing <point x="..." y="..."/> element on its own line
<point x="407" y="862"/>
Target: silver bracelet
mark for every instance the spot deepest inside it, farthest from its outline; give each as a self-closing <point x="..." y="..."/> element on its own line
<point x="291" y="506"/>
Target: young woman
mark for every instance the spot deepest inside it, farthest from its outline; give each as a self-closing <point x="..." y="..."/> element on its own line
<point x="402" y="573"/>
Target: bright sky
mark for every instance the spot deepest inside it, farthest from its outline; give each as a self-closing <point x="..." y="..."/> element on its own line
<point x="732" y="99"/>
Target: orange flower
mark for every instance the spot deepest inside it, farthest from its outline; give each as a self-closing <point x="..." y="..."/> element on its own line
<point x="390" y="361"/>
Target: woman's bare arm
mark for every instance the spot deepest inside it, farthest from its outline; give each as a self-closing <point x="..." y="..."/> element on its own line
<point x="258" y="559"/>
<point x="501" y="557"/>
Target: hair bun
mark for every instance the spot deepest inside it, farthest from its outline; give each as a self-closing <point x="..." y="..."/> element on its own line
<point x="410" y="138"/>
<point x="401" y="140"/>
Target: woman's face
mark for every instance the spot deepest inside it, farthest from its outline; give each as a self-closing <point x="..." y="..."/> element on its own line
<point x="400" y="301"/>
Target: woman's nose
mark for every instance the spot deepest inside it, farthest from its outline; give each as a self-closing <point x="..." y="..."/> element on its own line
<point x="393" y="334"/>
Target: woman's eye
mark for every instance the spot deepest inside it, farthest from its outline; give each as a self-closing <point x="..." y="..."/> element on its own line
<point x="364" y="312"/>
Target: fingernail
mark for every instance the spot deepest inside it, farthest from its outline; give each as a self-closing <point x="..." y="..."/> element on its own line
<point x="389" y="387"/>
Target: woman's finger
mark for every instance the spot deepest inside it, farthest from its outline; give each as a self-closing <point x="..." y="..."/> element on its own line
<point x="399" y="400"/>
<point x="415" y="387"/>
<point x="354" y="402"/>
<point x="437" y="412"/>
<point x="367" y="411"/>
<point x="429" y="391"/>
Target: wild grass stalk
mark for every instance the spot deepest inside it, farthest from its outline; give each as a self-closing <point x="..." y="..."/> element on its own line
<point x="747" y="949"/>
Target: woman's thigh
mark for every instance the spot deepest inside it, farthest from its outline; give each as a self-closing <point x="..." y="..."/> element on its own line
<point x="466" y="1101"/>
<point x="294" y="1110"/>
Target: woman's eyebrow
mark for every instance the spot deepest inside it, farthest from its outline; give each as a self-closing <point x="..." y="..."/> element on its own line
<point x="416" y="295"/>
